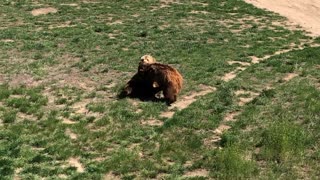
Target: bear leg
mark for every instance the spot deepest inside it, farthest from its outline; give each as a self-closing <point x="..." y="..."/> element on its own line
<point x="169" y="94"/>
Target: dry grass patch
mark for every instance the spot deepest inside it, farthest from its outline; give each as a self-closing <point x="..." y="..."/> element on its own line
<point x="239" y="62"/>
<point x="231" y="75"/>
<point x="111" y="176"/>
<point x="24" y="116"/>
<point x="66" y="24"/>
<point x="75" y="162"/>
<point x="249" y="96"/>
<point x="221" y="128"/>
<point x="43" y="11"/>
<point x="81" y="107"/>
<point x="72" y="135"/>
<point x="18" y="80"/>
<point x="116" y="22"/>
<point x="68" y="121"/>
<point x="167" y="114"/>
<point x="199" y="3"/>
<point x="197" y="173"/>
<point x="185" y="101"/>
<point x="152" y="122"/>
<point x="76" y="79"/>
<point x="199" y="12"/>
<point x="70" y="4"/>
<point x="7" y="40"/>
<point x="231" y="116"/>
<point x="289" y="76"/>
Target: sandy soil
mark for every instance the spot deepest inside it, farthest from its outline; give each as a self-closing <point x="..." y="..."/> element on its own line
<point x="43" y="11"/>
<point x="305" y="13"/>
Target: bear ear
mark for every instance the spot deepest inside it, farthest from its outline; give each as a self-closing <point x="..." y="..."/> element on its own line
<point x="142" y="59"/>
<point x="151" y="59"/>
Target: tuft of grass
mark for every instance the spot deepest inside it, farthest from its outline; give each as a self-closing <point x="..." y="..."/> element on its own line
<point x="123" y="162"/>
<point x="96" y="107"/>
<point x="4" y="92"/>
<point x="230" y="163"/>
<point x="283" y="141"/>
<point x="9" y="116"/>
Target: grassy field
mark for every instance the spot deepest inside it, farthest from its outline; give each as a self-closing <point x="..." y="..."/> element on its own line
<point x="62" y="67"/>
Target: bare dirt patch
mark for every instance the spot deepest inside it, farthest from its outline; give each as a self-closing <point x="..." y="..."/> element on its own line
<point x="222" y="127"/>
<point x="199" y="3"/>
<point x="290" y="76"/>
<point x="167" y="114"/>
<point x="305" y="13"/>
<point x="152" y="122"/>
<point x="16" y="174"/>
<point x="249" y="96"/>
<point x="164" y="26"/>
<point x="43" y="11"/>
<point x="75" y="162"/>
<point x="67" y="121"/>
<point x="76" y="79"/>
<point x="199" y="12"/>
<point x="23" y="116"/>
<point x="49" y="94"/>
<point x="197" y="173"/>
<point x="72" y="135"/>
<point x="245" y="100"/>
<point x="115" y="22"/>
<point x="254" y="59"/>
<point x="63" y="25"/>
<point x="81" y="107"/>
<point x="7" y="40"/>
<point x="71" y="4"/>
<point x="169" y="1"/>
<point x="239" y="62"/>
<point x="111" y="176"/>
<point x="185" y="101"/>
<point x="231" y="75"/>
<point x="231" y="116"/>
<point x="164" y="4"/>
<point x="91" y="2"/>
<point x="22" y="80"/>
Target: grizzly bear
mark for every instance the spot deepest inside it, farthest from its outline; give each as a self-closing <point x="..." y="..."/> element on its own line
<point x="139" y="86"/>
<point x="153" y="77"/>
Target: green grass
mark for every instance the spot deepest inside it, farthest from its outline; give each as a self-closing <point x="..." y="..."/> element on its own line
<point x="70" y="66"/>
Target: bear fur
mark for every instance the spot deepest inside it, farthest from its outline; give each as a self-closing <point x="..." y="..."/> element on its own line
<point x="163" y="78"/>
<point x="140" y="86"/>
<point x="153" y="77"/>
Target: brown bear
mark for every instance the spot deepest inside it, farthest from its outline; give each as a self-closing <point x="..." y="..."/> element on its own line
<point x="153" y="77"/>
<point x="162" y="77"/>
<point x="139" y="86"/>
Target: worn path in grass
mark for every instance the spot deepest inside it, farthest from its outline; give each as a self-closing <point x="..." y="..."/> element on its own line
<point x="305" y="13"/>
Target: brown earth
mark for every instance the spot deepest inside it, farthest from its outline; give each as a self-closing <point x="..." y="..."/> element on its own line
<point x="43" y="11"/>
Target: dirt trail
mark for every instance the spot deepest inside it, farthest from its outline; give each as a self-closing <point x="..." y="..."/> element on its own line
<point x="185" y="101"/>
<point x="305" y="13"/>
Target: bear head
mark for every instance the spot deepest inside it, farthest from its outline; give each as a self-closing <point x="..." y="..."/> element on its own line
<point x="147" y="59"/>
